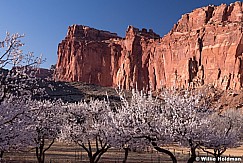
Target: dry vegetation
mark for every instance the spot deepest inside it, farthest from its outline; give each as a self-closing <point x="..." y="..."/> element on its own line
<point x="70" y="153"/>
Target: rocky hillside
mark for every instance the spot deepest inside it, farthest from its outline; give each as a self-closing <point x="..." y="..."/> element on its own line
<point x="77" y="91"/>
<point x="204" y="47"/>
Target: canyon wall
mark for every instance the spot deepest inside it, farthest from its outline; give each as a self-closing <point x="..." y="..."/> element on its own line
<point x="204" y="47"/>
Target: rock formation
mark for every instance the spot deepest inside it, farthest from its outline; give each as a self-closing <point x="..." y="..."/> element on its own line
<point x="204" y="47"/>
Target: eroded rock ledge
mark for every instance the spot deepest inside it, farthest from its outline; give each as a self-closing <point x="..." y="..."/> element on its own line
<point x="204" y="47"/>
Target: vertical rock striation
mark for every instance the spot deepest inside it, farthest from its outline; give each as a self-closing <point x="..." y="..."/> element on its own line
<point x="204" y="47"/>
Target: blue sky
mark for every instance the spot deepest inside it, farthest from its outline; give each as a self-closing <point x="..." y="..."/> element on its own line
<point x="45" y="22"/>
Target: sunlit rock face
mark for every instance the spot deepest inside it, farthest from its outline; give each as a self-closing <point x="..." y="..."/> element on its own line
<point x="204" y="47"/>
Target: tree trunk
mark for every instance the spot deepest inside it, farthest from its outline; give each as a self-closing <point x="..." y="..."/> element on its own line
<point x="193" y="155"/>
<point x="91" y="160"/>
<point x="43" y="157"/>
<point x="193" y="151"/>
<point x="216" y="156"/>
<point x="173" y="158"/>
<point x="101" y="153"/>
<point x="1" y="154"/>
<point x="94" y="157"/>
<point x="217" y="153"/>
<point x="40" y="154"/>
<point x="37" y="154"/>
<point x="40" y="151"/>
<point x="126" y="154"/>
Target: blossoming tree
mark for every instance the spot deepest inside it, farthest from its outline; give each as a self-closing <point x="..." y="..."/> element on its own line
<point x="140" y="123"/>
<point x="87" y="123"/>
<point x="43" y="123"/>
<point x="186" y="118"/>
<point x="223" y="132"/>
<point x="16" y="88"/>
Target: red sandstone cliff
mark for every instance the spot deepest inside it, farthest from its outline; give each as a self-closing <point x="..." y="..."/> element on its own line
<point x="204" y="47"/>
